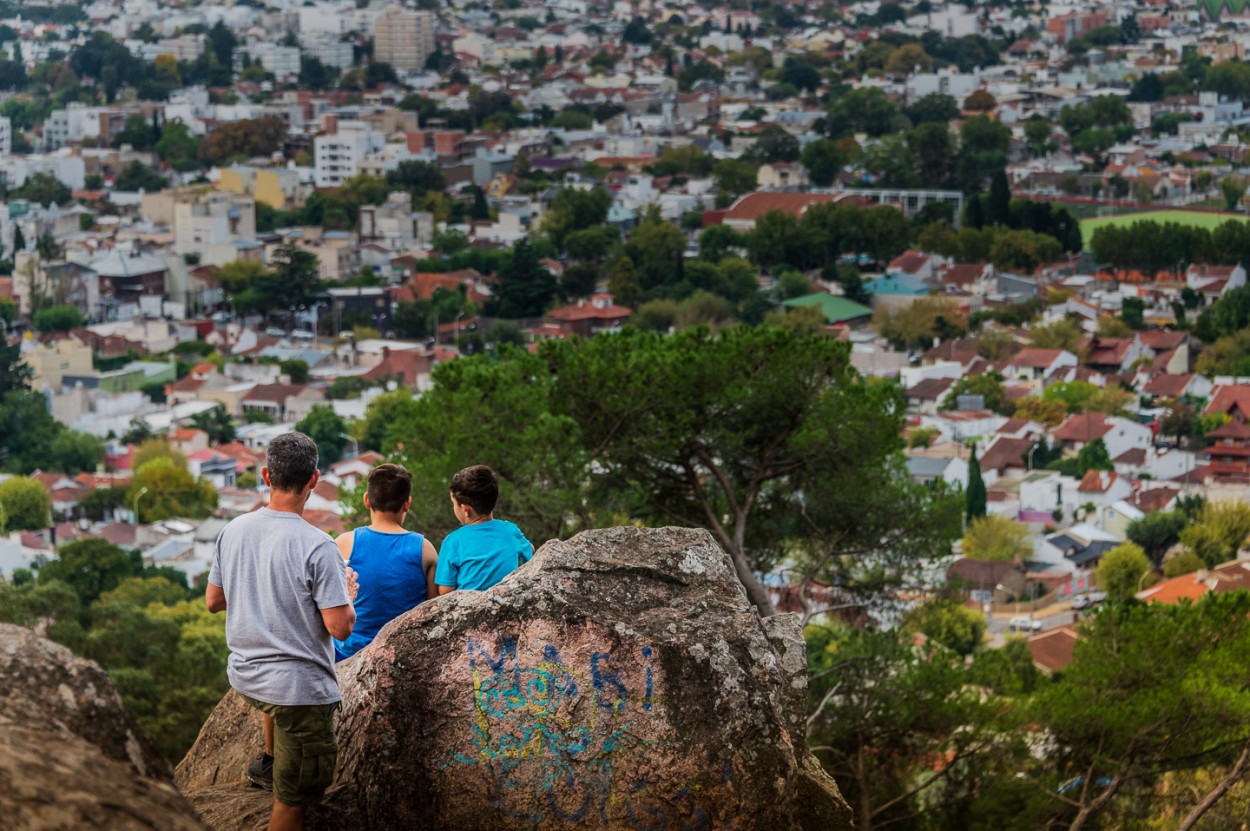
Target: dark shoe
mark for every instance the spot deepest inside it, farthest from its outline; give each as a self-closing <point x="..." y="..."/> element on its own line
<point x="260" y="771"/>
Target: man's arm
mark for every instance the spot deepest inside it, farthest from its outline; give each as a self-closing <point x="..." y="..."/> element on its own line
<point x="442" y="590"/>
<point x="215" y="598"/>
<point x="339" y="620"/>
<point x="429" y="563"/>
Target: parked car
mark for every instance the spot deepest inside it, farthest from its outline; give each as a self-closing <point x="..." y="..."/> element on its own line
<point x="1097" y="596"/>
<point x="1081" y="601"/>
<point x="1024" y="623"/>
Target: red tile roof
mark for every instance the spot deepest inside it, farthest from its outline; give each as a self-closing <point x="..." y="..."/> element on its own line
<point x="963" y="275"/>
<point x="277" y="393"/>
<point x="1052" y="651"/>
<point x="1168" y="386"/>
<point x="1005" y="453"/>
<point x="1230" y="398"/>
<point x="1083" y="427"/>
<point x="1036" y="358"/>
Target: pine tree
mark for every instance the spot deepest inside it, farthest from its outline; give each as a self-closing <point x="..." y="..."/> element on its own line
<point x="975" y="495"/>
<point x="998" y="211"/>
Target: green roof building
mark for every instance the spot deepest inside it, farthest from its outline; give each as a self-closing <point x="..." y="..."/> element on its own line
<point x="835" y="309"/>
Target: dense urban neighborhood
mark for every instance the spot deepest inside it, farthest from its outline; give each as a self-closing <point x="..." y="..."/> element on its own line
<point x="934" y="314"/>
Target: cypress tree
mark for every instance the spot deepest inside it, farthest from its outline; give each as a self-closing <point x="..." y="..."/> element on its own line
<point x="975" y="495"/>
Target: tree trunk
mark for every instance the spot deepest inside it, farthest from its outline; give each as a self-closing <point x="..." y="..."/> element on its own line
<point x="756" y="593"/>
<point x="1093" y="806"/>
<point x="1235" y="773"/>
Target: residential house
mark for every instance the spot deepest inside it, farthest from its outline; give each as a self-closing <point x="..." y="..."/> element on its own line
<point x="925" y="397"/>
<point x="915" y="264"/>
<point x="973" y="278"/>
<point x="1114" y="356"/>
<point x="1101" y="488"/>
<point x="218" y="468"/>
<point x="1052" y="650"/>
<point x="271" y="399"/>
<point x="351" y="471"/>
<point x="838" y="311"/>
<point x="1226" y="577"/>
<point x="1232" y="400"/>
<point x="1169" y="387"/>
<point x="1118" y="434"/>
<point x="1033" y="364"/>
<point x="1005" y="456"/>
<point x="1229" y="456"/>
<point x="1079" y="547"/>
<point x="781" y="176"/>
<point x="586" y="317"/>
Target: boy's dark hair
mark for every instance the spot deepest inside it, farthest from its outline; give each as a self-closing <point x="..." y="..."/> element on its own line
<point x="292" y="460"/>
<point x="389" y="488"/>
<point x="477" y="487"/>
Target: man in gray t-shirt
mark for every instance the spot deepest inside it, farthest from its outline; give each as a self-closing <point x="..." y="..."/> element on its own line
<point x="286" y="591"/>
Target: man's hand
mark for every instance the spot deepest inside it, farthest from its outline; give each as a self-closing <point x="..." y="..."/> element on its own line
<point x="352" y="586"/>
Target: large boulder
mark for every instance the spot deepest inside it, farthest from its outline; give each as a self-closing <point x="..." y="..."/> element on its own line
<point x="619" y="680"/>
<point x="71" y="757"/>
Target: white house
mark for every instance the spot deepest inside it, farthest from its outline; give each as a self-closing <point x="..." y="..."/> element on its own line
<point x="1035" y="364"/>
<point x="1119" y="434"/>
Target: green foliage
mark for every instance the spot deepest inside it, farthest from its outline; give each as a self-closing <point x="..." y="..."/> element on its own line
<point x="526" y="288"/>
<point x="231" y="141"/>
<point x="137" y="176"/>
<point x="1151" y="688"/>
<point x="994" y="537"/>
<point x="883" y="709"/>
<point x="988" y="385"/>
<point x="90" y="567"/>
<point x="1120" y="571"/>
<point x="72" y="452"/>
<point x="44" y="189"/>
<point x="171" y="491"/>
<point x="52" y="319"/>
<point x="24" y="504"/>
<point x="217" y="423"/>
<point x="574" y="210"/>
<point x="1185" y="562"/>
<point x="1218" y="532"/>
<point x="949" y="623"/>
<point x="1157" y="532"/>
<point x="325" y="427"/>
<point x="975" y="495"/>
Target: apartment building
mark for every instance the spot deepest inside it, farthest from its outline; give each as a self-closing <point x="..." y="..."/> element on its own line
<point x="404" y="39"/>
<point x="338" y="153"/>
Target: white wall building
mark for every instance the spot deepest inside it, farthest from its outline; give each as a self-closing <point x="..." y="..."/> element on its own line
<point x="337" y="155"/>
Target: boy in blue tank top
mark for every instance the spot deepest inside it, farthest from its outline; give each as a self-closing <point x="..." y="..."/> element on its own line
<point x="485" y="550"/>
<point x="394" y="566"/>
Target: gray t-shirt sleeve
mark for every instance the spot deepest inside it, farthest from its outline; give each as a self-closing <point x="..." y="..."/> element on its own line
<point x="327" y="576"/>
<point x="214" y="571"/>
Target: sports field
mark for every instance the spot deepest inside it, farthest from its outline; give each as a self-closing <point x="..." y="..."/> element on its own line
<point x="1202" y="219"/>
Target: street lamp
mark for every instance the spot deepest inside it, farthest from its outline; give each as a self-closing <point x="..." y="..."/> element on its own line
<point x="456" y="331"/>
<point x="1032" y="450"/>
<point x="134" y="504"/>
<point x="355" y="444"/>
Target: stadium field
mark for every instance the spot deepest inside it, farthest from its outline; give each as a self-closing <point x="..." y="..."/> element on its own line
<point x="1201" y="219"/>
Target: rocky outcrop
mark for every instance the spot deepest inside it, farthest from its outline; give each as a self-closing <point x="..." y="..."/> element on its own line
<point x="71" y="757"/>
<point x="620" y="680"/>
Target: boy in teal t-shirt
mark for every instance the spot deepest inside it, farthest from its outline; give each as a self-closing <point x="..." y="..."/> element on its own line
<point x="486" y="549"/>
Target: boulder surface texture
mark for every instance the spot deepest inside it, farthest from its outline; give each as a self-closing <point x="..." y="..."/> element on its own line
<point x="71" y="756"/>
<point x="620" y="680"/>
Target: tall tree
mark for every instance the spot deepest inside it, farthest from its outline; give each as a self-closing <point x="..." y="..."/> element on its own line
<point x="975" y="495"/>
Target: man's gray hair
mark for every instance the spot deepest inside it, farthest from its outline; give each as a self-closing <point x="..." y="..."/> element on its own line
<point x="292" y="460"/>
